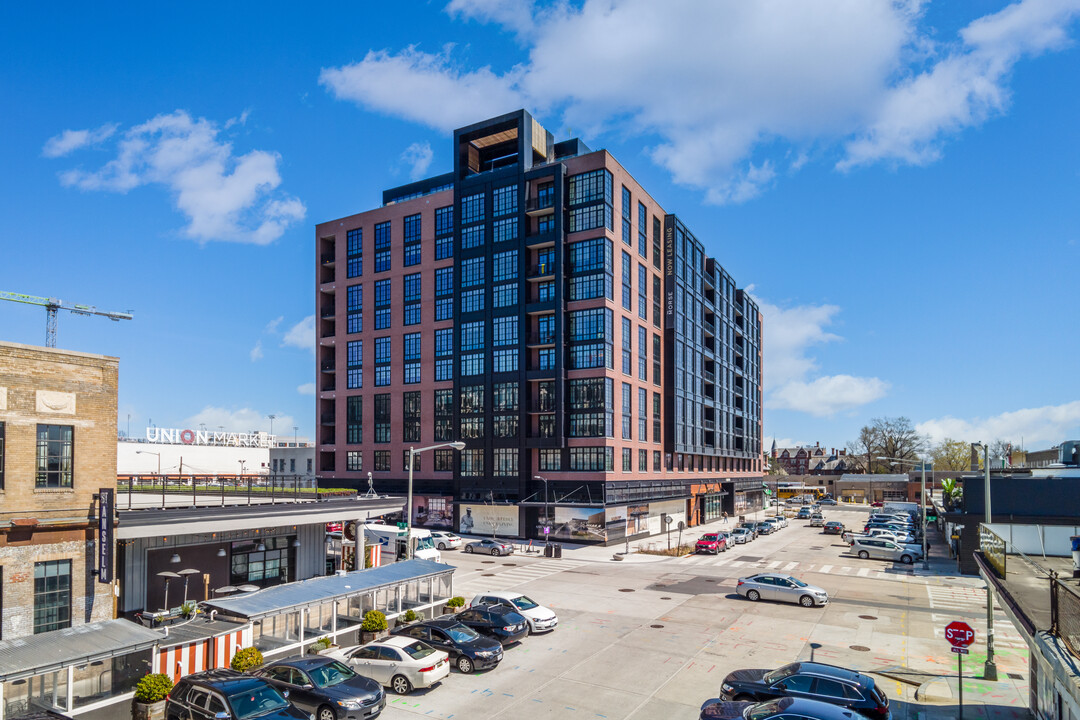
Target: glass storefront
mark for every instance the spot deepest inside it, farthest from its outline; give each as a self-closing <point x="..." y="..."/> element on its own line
<point x="712" y="506"/>
<point x="274" y="564"/>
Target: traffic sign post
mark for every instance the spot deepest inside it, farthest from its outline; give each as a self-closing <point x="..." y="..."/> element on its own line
<point x="960" y="635"/>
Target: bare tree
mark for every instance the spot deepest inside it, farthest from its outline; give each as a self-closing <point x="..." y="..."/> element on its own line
<point x="863" y="449"/>
<point x="999" y="453"/>
<point x="885" y="437"/>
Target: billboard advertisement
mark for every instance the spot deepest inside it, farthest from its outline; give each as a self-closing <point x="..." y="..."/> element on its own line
<point x="433" y="511"/>
<point x="579" y="524"/>
<point x="488" y="520"/>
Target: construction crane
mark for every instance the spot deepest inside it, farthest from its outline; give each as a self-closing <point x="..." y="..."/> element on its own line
<point x="51" y="305"/>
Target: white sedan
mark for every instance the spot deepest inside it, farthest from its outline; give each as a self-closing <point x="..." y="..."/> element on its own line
<point x="400" y="663"/>
<point x="445" y="540"/>
<point x="541" y="619"/>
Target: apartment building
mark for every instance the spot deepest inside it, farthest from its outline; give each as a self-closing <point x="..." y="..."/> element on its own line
<point x="57" y="455"/>
<point x="538" y="305"/>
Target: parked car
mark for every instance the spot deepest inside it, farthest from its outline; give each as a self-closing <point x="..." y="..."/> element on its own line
<point x="803" y="514"/>
<point x="784" y="588"/>
<point x="741" y="536"/>
<point x="712" y="543"/>
<point x="752" y="527"/>
<point x="468" y="649"/>
<point x="489" y="547"/>
<point x="817" y="520"/>
<point x="833" y="527"/>
<point x="498" y="622"/>
<point x="400" y="663"/>
<point x="879" y="549"/>
<point x="814" y="681"/>
<point x="445" y="540"/>
<point x="782" y="519"/>
<point x="781" y="709"/>
<point x="541" y="619"/>
<point x="891" y="527"/>
<point x="324" y="686"/>
<point x="877" y="504"/>
<point x="896" y="536"/>
<point x="827" y="501"/>
<point x="202" y="695"/>
<point x="763" y="528"/>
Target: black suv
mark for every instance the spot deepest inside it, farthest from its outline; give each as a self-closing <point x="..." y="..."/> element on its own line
<point x="813" y="681"/>
<point x="222" y="693"/>
<point x="468" y="649"/>
<point x="326" y="687"/>
<point x="498" y="622"/>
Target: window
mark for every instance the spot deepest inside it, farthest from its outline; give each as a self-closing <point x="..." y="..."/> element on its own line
<point x="504" y="266"/>
<point x="355" y="308"/>
<point x="444" y="342"/>
<point x="627" y="347"/>
<point x="643" y="414"/>
<point x="592" y="458"/>
<point x="444" y="369"/>
<point x="626" y="237"/>
<point x="656" y="242"/>
<point x="506" y="295"/>
<point x="504" y="361"/>
<point x="656" y="301"/>
<point x="444" y="462"/>
<point x="355" y="245"/>
<point x="444" y="309"/>
<point x="472" y="463"/>
<point x="55" y="461"/>
<point x="444" y="221"/>
<point x="505" y="331"/>
<point x="594" y="324"/>
<point x="354" y="419"/>
<point x="503" y="230"/>
<point x="354" y="357"/>
<point x="591" y="424"/>
<point x="472" y="209"/>
<point x="591" y="355"/>
<point x="472" y="400"/>
<point x="643" y="353"/>
<point x="506" y="462"/>
<point x="627" y="459"/>
<point x="594" y="186"/>
<point x="382" y="460"/>
<point x="411" y="343"/>
<point x="590" y="217"/>
<point x="551" y="459"/>
<point x="382" y="236"/>
<point x="642" y="232"/>
<point x="656" y="418"/>
<point x="355" y="378"/>
<point x="586" y="287"/>
<point x="506" y="426"/>
<point x="627" y="411"/>
<point x="643" y="292"/>
<point x="354" y="460"/>
<point x="410" y="413"/>
<point x="591" y="394"/>
<point x="382" y="361"/>
<point x="504" y="200"/>
<point x="444" y="282"/>
<point x="643" y="460"/>
<point x="656" y="461"/>
<point x="473" y="300"/>
<point x="412" y="287"/>
<point x="472" y="237"/>
<point x="412" y="240"/>
<point x="52" y="595"/>
<point x="595" y="254"/>
<point x="626" y="279"/>
<point x="472" y="336"/>
<point x="382" y="304"/>
<point x="472" y="272"/>
<point x="382" y="418"/>
<point x="444" y="415"/>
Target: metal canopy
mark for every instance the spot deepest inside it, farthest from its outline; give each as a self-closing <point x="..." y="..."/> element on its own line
<point x="307" y="593"/>
<point x="51" y="651"/>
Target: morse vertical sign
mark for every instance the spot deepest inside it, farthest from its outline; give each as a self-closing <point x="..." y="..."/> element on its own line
<point x="105" y="535"/>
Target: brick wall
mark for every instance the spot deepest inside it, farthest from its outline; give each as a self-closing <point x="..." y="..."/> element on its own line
<point x="54" y="387"/>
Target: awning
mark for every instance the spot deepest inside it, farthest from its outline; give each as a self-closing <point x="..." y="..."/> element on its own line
<point x="309" y="593"/>
<point x="47" y="652"/>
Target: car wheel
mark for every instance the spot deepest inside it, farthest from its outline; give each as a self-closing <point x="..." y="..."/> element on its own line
<point x="468" y="548"/>
<point x="906" y="559"/>
<point x="464" y="665"/>
<point x="806" y="601"/>
<point x="401" y="685"/>
<point x="863" y="554"/>
<point x="494" y="551"/>
<point x="442" y="546"/>
<point x="326" y="713"/>
<point x="753" y="595"/>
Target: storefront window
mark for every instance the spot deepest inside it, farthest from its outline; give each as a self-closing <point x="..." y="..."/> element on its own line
<point x="272" y="565"/>
<point x="277" y="631"/>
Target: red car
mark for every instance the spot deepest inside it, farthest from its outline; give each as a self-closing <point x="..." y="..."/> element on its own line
<point x="714" y="543"/>
<point x="877" y="504"/>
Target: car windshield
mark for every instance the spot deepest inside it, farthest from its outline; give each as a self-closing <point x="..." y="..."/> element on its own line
<point x="418" y="650"/>
<point x="257" y="702"/>
<point x="798" y="582"/>
<point x="523" y="602"/>
<point x="762" y="711"/>
<point x="780" y="673"/>
<point x="425" y="543"/>
<point x="708" y="538"/>
<point x="461" y="633"/>
<point x="330" y="674"/>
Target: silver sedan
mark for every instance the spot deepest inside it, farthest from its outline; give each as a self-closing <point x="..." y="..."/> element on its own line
<point x="785" y="588"/>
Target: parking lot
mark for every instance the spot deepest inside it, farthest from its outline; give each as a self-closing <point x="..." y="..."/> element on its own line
<point x="654" y="637"/>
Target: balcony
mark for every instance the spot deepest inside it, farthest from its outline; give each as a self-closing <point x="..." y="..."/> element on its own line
<point x="535" y="373"/>
<point x="327" y="259"/>
<point x="540" y="339"/>
<point x="327" y="312"/>
<point x="710" y="376"/>
<point x="327" y="419"/>
<point x="328" y="288"/>
<point x="329" y="386"/>
<point x="543" y="442"/>
<point x="328" y="367"/>
<point x="541" y="271"/>
<point x="709" y="424"/>
<point x="540" y="239"/>
<point x="540" y="307"/>
<point x="539" y="206"/>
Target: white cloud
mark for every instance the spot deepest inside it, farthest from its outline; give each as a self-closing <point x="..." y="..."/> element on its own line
<point x="224" y="196"/>
<point x="306" y="389"/>
<point x="791" y="377"/>
<point x="71" y="140"/>
<point x="257" y="351"/>
<point x="418" y="157"/>
<point x="728" y="83"/>
<point x="241" y="420"/>
<point x="301" y="335"/>
<point x="272" y="326"/>
<point x="1038" y="427"/>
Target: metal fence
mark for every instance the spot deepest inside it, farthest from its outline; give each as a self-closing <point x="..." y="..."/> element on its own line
<point x="1065" y="614"/>
<point x="993" y="549"/>
<point x="142" y="491"/>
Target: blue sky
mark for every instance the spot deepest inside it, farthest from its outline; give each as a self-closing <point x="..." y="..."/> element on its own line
<point x="896" y="181"/>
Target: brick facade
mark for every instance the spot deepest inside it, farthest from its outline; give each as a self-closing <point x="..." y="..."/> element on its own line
<point x="45" y="386"/>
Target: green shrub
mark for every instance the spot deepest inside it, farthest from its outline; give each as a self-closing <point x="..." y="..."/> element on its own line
<point x="456" y="602"/>
<point x="320" y="644"/>
<point x="153" y="688"/>
<point x="246" y="659"/>
<point x="189" y="609"/>
<point x="374" y="621"/>
<point x="410" y="616"/>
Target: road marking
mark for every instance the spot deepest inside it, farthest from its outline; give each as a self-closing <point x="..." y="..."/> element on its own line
<point x="825" y="569"/>
<point x="776" y="564"/>
<point x="790" y="566"/>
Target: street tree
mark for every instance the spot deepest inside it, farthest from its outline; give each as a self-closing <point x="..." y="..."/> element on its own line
<point x="886" y="437"/>
<point x="951" y="454"/>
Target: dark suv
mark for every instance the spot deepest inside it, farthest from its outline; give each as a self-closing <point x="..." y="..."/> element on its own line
<point x="813" y="681"/>
<point x="216" y="694"/>
<point x="326" y="687"/>
<point x="468" y="649"/>
<point x="498" y="622"/>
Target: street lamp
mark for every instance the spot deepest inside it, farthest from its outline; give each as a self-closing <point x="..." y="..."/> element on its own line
<point x="547" y="518"/>
<point x="413" y="452"/>
<point x="922" y="504"/>
<point x="989" y="667"/>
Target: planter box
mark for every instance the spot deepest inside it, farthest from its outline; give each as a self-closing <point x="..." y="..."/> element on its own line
<point x="366" y="637"/>
<point x="328" y="650"/>
<point x="147" y="711"/>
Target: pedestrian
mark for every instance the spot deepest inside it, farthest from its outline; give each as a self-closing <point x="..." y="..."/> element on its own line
<point x="723" y="516"/>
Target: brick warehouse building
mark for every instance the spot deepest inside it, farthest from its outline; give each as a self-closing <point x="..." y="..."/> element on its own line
<point x="57" y="450"/>
<point x="538" y="305"/>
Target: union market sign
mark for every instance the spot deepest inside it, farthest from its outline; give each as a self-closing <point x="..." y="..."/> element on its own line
<point x="178" y="436"/>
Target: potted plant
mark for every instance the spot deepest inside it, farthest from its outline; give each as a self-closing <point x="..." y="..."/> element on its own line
<point x="321" y="646"/>
<point x="409" y="616"/>
<point x="455" y="604"/>
<point x="189" y="609"/>
<point x="373" y="627"/>
<point x="246" y="659"/>
<point x="149" y="700"/>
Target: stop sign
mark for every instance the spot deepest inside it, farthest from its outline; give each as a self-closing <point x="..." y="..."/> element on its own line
<point x="959" y="634"/>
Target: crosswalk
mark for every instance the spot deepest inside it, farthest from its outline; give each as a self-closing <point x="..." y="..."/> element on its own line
<point x="885" y="572"/>
<point x="469" y="583"/>
<point x="952" y="598"/>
